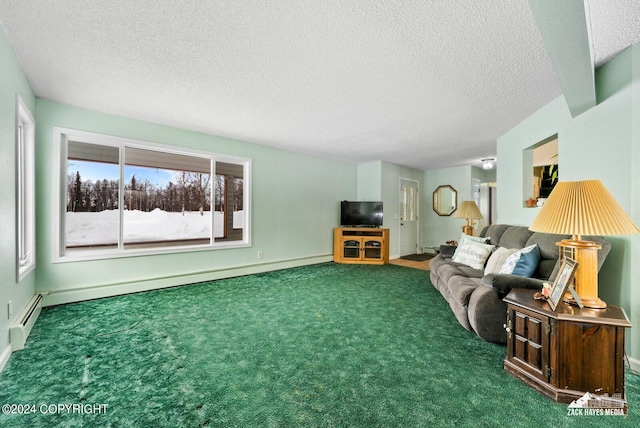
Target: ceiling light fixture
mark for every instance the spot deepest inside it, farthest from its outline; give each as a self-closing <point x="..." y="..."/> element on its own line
<point x="487" y="163"/>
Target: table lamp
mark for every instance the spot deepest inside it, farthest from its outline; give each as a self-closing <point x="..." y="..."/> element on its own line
<point x="579" y="208"/>
<point x="470" y="211"/>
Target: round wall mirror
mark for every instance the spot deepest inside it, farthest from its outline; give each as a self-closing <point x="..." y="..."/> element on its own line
<point x="445" y="200"/>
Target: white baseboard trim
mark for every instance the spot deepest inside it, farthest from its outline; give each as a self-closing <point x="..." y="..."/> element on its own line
<point x="4" y="356"/>
<point x="53" y="297"/>
<point x="634" y="365"/>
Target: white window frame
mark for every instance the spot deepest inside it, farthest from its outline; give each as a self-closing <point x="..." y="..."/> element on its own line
<point x="60" y="138"/>
<point x="25" y="188"/>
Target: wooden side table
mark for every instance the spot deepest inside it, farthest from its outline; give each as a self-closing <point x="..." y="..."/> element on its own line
<point x="565" y="353"/>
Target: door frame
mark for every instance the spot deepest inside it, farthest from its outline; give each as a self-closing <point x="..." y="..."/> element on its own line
<point x="417" y="184"/>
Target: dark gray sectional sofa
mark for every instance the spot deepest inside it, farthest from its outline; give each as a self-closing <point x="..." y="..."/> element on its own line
<point x="476" y="298"/>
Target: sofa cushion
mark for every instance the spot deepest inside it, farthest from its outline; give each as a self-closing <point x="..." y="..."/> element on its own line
<point x="497" y="259"/>
<point x="461" y="288"/>
<point x="515" y="237"/>
<point x="494" y="232"/>
<point x="448" y="270"/>
<point x="523" y="262"/>
<point x="470" y="272"/>
<point x="473" y="254"/>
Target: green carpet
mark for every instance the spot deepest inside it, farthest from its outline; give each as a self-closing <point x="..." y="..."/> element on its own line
<point x="326" y="345"/>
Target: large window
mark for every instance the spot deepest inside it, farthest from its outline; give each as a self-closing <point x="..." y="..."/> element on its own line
<point x="229" y="197"/>
<point x="25" y="150"/>
<point x="123" y="197"/>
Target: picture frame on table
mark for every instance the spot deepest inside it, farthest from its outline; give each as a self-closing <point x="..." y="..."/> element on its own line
<point x="562" y="282"/>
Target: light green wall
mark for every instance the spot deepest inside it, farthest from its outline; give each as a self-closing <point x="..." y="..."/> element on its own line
<point x="295" y="205"/>
<point x="370" y="182"/>
<point x="601" y="143"/>
<point x="539" y="126"/>
<point x="634" y="242"/>
<point x="436" y="230"/>
<point x="12" y="83"/>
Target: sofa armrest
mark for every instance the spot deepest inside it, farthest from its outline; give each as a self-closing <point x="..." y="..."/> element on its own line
<point x="504" y="283"/>
<point x="487" y="315"/>
<point x="446" y="251"/>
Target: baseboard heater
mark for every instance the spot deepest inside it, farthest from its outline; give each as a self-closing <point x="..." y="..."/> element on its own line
<point x="20" y="330"/>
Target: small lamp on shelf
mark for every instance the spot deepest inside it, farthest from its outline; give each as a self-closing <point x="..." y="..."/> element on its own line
<point x="470" y="211"/>
<point x="579" y="208"/>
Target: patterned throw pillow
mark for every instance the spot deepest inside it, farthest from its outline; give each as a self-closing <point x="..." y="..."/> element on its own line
<point x="473" y="254"/>
<point x="497" y="259"/>
<point x="523" y="262"/>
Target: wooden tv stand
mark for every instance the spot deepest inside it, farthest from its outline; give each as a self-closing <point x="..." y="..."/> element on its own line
<point x="363" y="245"/>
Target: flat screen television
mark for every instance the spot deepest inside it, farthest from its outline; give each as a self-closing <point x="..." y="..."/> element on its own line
<point x="361" y="214"/>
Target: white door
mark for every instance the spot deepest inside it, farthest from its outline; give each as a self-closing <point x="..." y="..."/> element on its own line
<point x="408" y="217"/>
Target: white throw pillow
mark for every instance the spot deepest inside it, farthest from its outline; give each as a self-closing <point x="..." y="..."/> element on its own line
<point x="473" y="254"/>
<point x="469" y="238"/>
<point x="464" y="237"/>
<point x="497" y="259"/>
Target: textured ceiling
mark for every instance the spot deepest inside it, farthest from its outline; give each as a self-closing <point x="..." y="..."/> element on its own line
<point x="421" y="83"/>
<point x="615" y="24"/>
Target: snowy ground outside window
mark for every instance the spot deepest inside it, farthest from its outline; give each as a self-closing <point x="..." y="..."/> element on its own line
<point x="100" y="228"/>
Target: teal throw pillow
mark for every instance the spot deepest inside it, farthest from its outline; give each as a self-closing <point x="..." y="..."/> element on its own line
<point x="523" y="262"/>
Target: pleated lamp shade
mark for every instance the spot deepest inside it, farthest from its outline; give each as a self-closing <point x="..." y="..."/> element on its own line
<point x="470" y="211"/>
<point x="581" y="208"/>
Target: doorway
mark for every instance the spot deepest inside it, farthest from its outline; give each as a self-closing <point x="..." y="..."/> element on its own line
<point x="409" y="208"/>
<point x="488" y="205"/>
